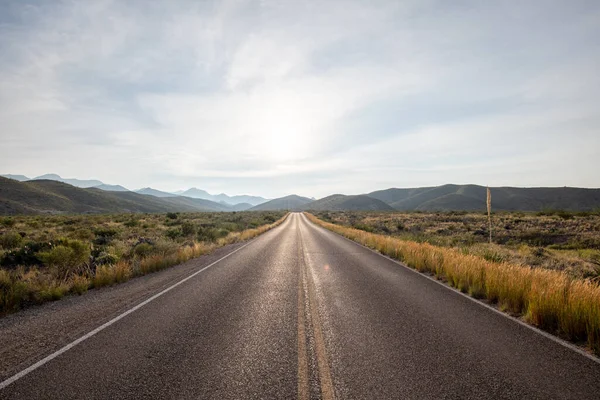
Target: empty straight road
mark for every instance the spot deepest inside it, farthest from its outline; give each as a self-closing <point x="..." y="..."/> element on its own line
<point x="303" y="313"/>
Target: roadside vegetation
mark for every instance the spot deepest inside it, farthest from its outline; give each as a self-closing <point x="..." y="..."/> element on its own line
<point x="523" y="272"/>
<point x="43" y="258"/>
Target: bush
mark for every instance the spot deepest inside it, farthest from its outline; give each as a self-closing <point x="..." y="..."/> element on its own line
<point x="25" y="256"/>
<point x="105" y="236"/>
<point x="172" y="215"/>
<point x="10" y="240"/>
<point x="66" y="258"/>
<point x="143" y="250"/>
<point x="106" y="258"/>
<point x="208" y="234"/>
<point x="131" y="223"/>
<point x="8" y="222"/>
<point x="173" y="233"/>
<point x="188" y="229"/>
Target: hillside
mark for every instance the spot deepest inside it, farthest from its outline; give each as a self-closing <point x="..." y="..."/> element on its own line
<point x="473" y="197"/>
<point x="111" y="188"/>
<point x="340" y="202"/>
<point x="291" y="202"/>
<point x="48" y="196"/>
<point x="157" y="193"/>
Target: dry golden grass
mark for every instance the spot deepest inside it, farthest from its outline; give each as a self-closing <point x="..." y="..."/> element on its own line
<point x="550" y="300"/>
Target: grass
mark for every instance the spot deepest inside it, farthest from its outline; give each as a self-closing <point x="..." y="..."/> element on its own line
<point x="549" y="299"/>
<point x="541" y="240"/>
<point x="58" y="255"/>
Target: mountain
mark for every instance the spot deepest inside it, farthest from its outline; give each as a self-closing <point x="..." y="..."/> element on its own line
<point x="473" y="197"/>
<point x="203" y="194"/>
<point x="53" y="197"/>
<point x="20" y="178"/>
<point x="253" y="200"/>
<point x="75" y="182"/>
<point x="197" y="193"/>
<point x="154" y="192"/>
<point x="340" y="202"/>
<point x="291" y="202"/>
<point x="112" y="188"/>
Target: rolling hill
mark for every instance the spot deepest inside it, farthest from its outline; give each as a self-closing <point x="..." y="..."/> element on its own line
<point x="112" y="188"/>
<point x="53" y="197"/>
<point x="291" y="202"/>
<point x="340" y="202"/>
<point x="473" y="197"/>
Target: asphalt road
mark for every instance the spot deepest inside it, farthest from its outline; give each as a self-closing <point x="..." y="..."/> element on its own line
<point x="303" y="313"/>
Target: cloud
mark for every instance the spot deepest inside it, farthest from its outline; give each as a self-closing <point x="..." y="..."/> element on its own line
<point x="267" y="96"/>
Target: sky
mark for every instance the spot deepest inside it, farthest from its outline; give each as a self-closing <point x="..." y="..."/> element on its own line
<point x="308" y="97"/>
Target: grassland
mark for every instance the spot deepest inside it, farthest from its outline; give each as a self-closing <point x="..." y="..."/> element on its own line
<point x="545" y="271"/>
<point x="44" y="258"/>
<point x="562" y="241"/>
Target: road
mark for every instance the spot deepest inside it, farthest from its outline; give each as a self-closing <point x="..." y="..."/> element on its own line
<point x="301" y="312"/>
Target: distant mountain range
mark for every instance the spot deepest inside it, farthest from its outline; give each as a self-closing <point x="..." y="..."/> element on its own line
<point x="203" y="194"/>
<point x="240" y="201"/>
<point x="19" y="195"/>
<point x="53" y="197"/>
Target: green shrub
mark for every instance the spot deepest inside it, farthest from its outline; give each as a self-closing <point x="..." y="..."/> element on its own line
<point x="143" y="249"/>
<point x="172" y="215"/>
<point x="131" y="223"/>
<point x="188" y="229"/>
<point x="8" y="222"/>
<point x="106" y="258"/>
<point x="105" y="236"/>
<point x="173" y="233"/>
<point x="207" y="234"/>
<point x="10" y="240"/>
<point x="65" y="258"/>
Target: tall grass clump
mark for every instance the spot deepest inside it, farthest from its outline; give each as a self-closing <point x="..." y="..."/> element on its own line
<point x="548" y="299"/>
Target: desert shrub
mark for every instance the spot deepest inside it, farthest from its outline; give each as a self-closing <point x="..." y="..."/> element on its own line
<point x="83" y="234"/>
<point x="173" y="233"/>
<point x="208" y="234"/>
<point x="8" y="222"/>
<point x="26" y="255"/>
<point x="13" y="292"/>
<point x="10" y="240"/>
<point x="131" y="223"/>
<point x="65" y="258"/>
<point x="143" y="249"/>
<point x="188" y="229"/>
<point x="105" y="235"/>
<point x="105" y="258"/>
<point x="172" y="215"/>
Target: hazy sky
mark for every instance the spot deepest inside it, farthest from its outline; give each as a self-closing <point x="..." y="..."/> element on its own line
<point x="279" y="97"/>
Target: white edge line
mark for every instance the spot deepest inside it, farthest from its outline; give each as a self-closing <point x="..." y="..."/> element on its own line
<point x="109" y="323"/>
<point x="476" y="301"/>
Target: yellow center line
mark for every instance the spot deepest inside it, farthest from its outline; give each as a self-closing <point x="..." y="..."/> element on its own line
<point x="303" y="384"/>
<point x="327" y="391"/>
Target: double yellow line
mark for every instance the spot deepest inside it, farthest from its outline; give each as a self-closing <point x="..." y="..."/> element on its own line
<point x="306" y="291"/>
